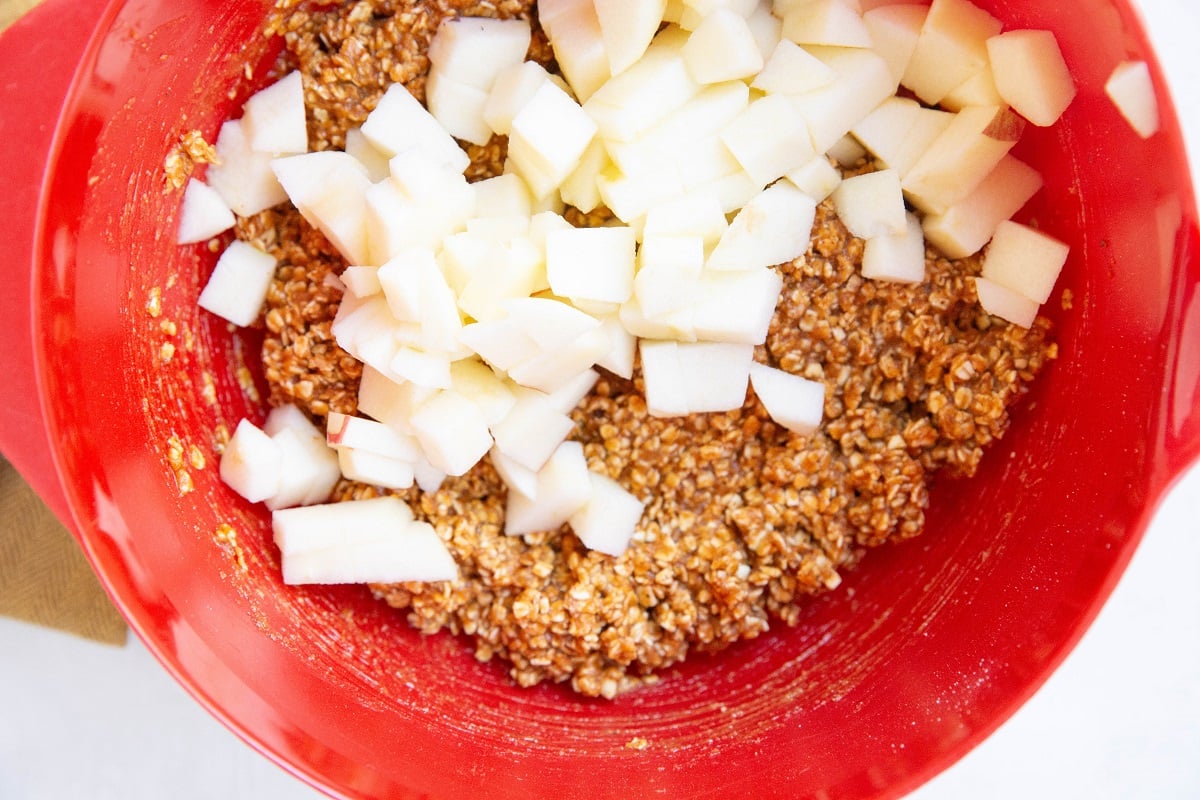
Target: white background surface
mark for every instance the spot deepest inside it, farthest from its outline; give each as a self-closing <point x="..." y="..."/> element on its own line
<point x="1120" y="719"/>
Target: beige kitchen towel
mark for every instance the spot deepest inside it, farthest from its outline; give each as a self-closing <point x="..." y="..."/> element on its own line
<point x="44" y="577"/>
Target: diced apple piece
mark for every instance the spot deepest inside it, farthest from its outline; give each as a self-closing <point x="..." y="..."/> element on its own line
<point x="399" y="551"/>
<point x="516" y="477"/>
<point x="1131" y="89"/>
<point x="361" y="149"/>
<point x="549" y="322"/>
<point x="273" y="118"/>
<point x="358" y="433"/>
<point x="897" y="257"/>
<point x="389" y="401"/>
<point x="609" y="518"/>
<point x="969" y="224"/>
<point x="319" y="527"/>
<point x="639" y="324"/>
<point x="289" y="416"/>
<point x="238" y="286"/>
<point x="958" y="160"/>
<point x="444" y="190"/>
<point x="502" y="195"/>
<point x="627" y="28"/>
<point x="769" y="138"/>
<point x="722" y="48"/>
<point x="666" y="287"/>
<point x="863" y="82"/>
<point x="309" y="470"/>
<point x="549" y="136"/>
<point x="696" y="215"/>
<point x="203" y="214"/>
<point x="702" y="377"/>
<point x="736" y="307"/>
<point x="771" y="229"/>
<point x="977" y="90"/>
<point x="1031" y="75"/>
<point x="566" y="398"/>
<point x="400" y="123"/>
<point x="766" y="28"/>
<point x="899" y="131"/>
<point x="894" y="31"/>
<point x="694" y="12"/>
<point x="871" y="204"/>
<point x="452" y="432"/>
<point x="476" y="381"/>
<point x="510" y="92"/>
<point x="251" y="463"/>
<point x="243" y="176"/>
<point x="621" y="353"/>
<point x="374" y="469"/>
<point x="847" y="151"/>
<point x="826" y="22"/>
<point x="591" y="263"/>
<point x="579" y="189"/>
<point x="329" y="189"/>
<point x="633" y="102"/>
<point x="394" y="223"/>
<point x="733" y="190"/>
<point x="796" y="403"/>
<point x="532" y="430"/>
<point x="951" y="47"/>
<point x="474" y="50"/>
<point x="421" y="367"/>
<point x="792" y="70"/>
<point x="1025" y="260"/>
<point x="1005" y="303"/>
<point x="458" y="107"/>
<point x="817" y="178"/>
<point x="563" y="487"/>
<point x="500" y="342"/>
<point x="553" y="369"/>
<point x="631" y="195"/>
<point x="573" y="29"/>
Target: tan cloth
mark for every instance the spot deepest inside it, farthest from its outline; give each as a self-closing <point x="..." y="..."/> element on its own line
<point x="44" y="577"/>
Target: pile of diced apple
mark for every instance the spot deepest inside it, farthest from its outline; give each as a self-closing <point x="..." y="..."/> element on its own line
<point x="710" y="129"/>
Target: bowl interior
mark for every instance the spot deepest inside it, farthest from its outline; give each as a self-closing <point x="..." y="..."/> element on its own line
<point x="924" y="649"/>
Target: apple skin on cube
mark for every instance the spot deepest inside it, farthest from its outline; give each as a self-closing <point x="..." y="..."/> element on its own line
<point x="452" y="432"/>
<point x="769" y="138"/>
<point x="243" y="176"/>
<point x="591" y="263"/>
<point x="964" y="228"/>
<point x="1025" y="260"/>
<point x="400" y="122"/>
<point x="609" y="519"/>
<point x="1131" y="89"/>
<point x="896" y="257"/>
<point x="773" y="228"/>
<point x="474" y="50"/>
<point x="959" y="159"/>
<point x="627" y="28"/>
<point x="251" y="463"/>
<point x="1006" y="303"/>
<point x="796" y="403"/>
<point x="274" y="120"/>
<point x="1031" y="75"/>
<point x="826" y="22"/>
<point x="951" y="47"/>
<point x="894" y="30"/>
<point x="238" y="286"/>
<point x="563" y="487"/>
<point x="722" y="48"/>
<point x="871" y="204"/>
<point x="203" y="214"/>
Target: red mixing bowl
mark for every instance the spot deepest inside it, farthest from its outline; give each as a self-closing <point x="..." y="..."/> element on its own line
<point x="922" y="652"/>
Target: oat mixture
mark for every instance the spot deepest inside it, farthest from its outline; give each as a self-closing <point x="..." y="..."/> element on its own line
<point x="743" y="518"/>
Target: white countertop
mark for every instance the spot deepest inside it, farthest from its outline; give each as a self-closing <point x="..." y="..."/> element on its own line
<point x="1119" y="719"/>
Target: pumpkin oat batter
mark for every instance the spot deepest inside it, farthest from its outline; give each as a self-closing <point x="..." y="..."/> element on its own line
<point x="743" y="518"/>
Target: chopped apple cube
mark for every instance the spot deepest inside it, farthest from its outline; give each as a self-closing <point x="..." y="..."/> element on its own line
<point x="627" y="28"/>
<point x="553" y="369"/>
<point x="475" y="380"/>
<point x="899" y="131"/>
<point x="871" y="204"/>
<point x="771" y="229"/>
<point x="329" y="189"/>
<point x="898" y="257"/>
<point x="243" y="176"/>
<point x="532" y="430"/>
<point x="388" y="401"/>
<point x="238" y="286"/>
<point x="694" y="12"/>
<point x="563" y="487"/>
<point x="510" y="92"/>
<point x="863" y="82"/>
<point x="474" y="50"/>
<point x="619" y="357"/>
<point x="318" y="527"/>
<point x="251" y="463"/>
<point x="694" y="378"/>
<point x="549" y="136"/>
<point x="573" y="28"/>
<point x="517" y="478"/>
<point x="423" y="368"/>
<point x="1031" y="75"/>
<point x="951" y="47"/>
<point x="977" y="90"/>
<point x="964" y="228"/>
<point x="500" y="342"/>
<point x="566" y="398"/>
<point x="722" y="48"/>
<point x="359" y="433"/>
<point x="591" y="263"/>
<point x="766" y="28"/>
<point x="1025" y="260"/>
<point x="736" y="307"/>
<point x="1005" y="303"/>
<point x="609" y="519"/>
<point x="894" y="30"/>
<point x="367" y="467"/>
<point x="817" y="178"/>
<point x="579" y="189"/>
<point x="796" y="403"/>
<point x="792" y="70"/>
<point x="452" y="432"/>
<point x="1131" y="89"/>
<point x="203" y="214"/>
<point x="695" y="215"/>
<point x="458" y="107"/>
<point x="361" y="149"/>
<point x="631" y="195"/>
<point x="309" y="469"/>
<point x="958" y="160"/>
<point x="502" y="195"/>
<point x="273" y="118"/>
<point x="400" y="123"/>
<point x="769" y="138"/>
<point x="826" y="22"/>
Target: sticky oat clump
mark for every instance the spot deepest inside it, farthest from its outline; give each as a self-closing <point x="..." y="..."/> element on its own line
<point x="744" y="519"/>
